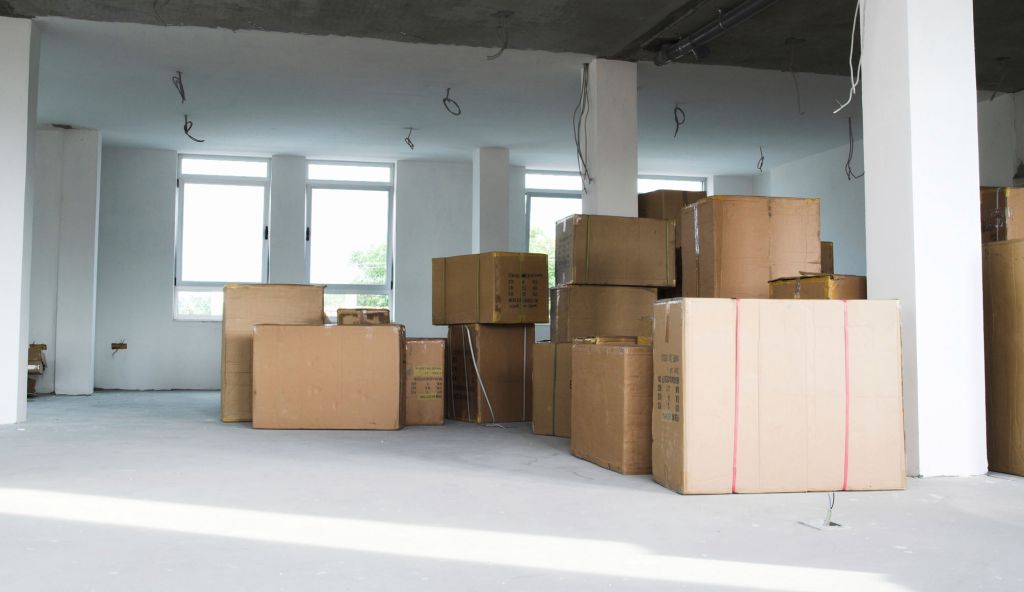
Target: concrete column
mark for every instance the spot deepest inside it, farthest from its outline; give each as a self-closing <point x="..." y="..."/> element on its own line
<point x="19" y="61"/>
<point x="610" y="139"/>
<point x="921" y="213"/>
<point x="287" y="220"/>
<point x="75" y="360"/>
<point x="490" y="200"/>
<point x="517" y="222"/>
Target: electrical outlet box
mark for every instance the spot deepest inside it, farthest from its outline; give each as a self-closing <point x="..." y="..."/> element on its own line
<point x="119" y="345"/>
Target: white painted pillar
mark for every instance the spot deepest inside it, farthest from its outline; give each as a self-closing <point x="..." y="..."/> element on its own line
<point x="19" y="61"/>
<point x="287" y="220"/>
<point x="490" y="200"/>
<point x="518" y="225"/>
<point x="75" y="360"/>
<point x="610" y="139"/>
<point x="921" y="213"/>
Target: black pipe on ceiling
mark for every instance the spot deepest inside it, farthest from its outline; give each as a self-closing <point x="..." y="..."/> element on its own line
<point x="694" y="43"/>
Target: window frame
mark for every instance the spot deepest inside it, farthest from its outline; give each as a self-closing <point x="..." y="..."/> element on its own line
<point x="388" y="287"/>
<point x="182" y="180"/>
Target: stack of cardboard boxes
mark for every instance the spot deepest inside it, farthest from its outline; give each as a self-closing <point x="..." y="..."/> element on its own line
<point x="1002" y="234"/>
<point x="284" y="368"/>
<point x="490" y="303"/>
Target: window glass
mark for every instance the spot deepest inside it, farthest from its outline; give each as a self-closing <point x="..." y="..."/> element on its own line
<point x="348" y="241"/>
<point x="647" y="184"/>
<point x="349" y="172"/>
<point x="221" y="233"/>
<point x="545" y="212"/>
<point x="334" y="301"/>
<point x="224" y="168"/>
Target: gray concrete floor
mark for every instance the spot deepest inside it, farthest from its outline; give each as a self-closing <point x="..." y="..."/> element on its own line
<point x="149" y="491"/>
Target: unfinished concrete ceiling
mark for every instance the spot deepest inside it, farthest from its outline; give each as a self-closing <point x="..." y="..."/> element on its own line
<point x="807" y="35"/>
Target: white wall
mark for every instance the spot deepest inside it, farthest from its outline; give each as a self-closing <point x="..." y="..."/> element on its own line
<point x="433" y="212"/>
<point x="733" y="184"/>
<point x="135" y="282"/>
<point x="45" y="240"/>
<point x="842" y="200"/>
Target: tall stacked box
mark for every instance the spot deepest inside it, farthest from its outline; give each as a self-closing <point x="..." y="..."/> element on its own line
<point x="328" y="377"/>
<point x="248" y="305"/>
<point x="495" y="288"/>
<point x="668" y="204"/>
<point x="489" y="373"/>
<point x="615" y="251"/>
<point x="598" y="311"/>
<point x="425" y="361"/>
<point x="757" y="396"/>
<point x="734" y="245"/>
<point x="1003" y="273"/>
<point x="552" y="392"/>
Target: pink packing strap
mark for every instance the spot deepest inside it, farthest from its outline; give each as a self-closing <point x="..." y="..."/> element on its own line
<point x="736" y="402"/>
<point x="846" y="356"/>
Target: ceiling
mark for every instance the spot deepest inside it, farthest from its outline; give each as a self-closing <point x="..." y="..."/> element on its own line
<point x="625" y="29"/>
<point x="263" y="93"/>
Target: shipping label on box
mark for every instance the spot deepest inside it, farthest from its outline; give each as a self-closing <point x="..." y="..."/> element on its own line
<point x="495" y="288"/>
<point x="778" y="396"/>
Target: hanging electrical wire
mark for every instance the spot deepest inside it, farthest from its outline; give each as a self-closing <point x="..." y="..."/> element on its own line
<point x="760" y="161"/>
<point x="178" y="84"/>
<point x="680" y="116"/>
<point x="858" y="16"/>
<point x="1002" y="76"/>
<point x="408" y="138"/>
<point x="188" y="130"/>
<point x="502" y="16"/>
<point x="579" y="127"/>
<point x="450" y="104"/>
<point x="850" y="175"/>
<point x="792" y="42"/>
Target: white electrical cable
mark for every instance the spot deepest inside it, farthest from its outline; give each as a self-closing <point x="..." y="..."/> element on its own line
<point x="858" y="25"/>
<point x="480" y="380"/>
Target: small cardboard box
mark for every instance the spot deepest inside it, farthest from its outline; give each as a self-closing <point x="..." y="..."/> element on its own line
<point x="611" y="406"/>
<point x="364" y="316"/>
<point x="667" y="204"/>
<point x="1003" y="274"/>
<point x="828" y="257"/>
<point x="491" y="373"/>
<point x="328" y="377"/>
<point x="499" y="288"/>
<point x="737" y="244"/>
<point x="247" y="305"/>
<point x="999" y="208"/>
<point x="761" y="396"/>
<point x="820" y="287"/>
<point x="610" y="250"/>
<point x="552" y="389"/>
<point x="598" y="311"/>
<point x="424" y="381"/>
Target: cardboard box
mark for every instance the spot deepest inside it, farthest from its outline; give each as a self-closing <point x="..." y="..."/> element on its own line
<point x="491" y="369"/>
<point x="552" y="389"/>
<point x="502" y="288"/>
<point x="820" y="287"/>
<point x="667" y="204"/>
<point x="738" y="244"/>
<point x="1003" y="273"/>
<point x="364" y="316"/>
<point x="759" y="396"/>
<point x="424" y="381"/>
<point x="247" y="305"/>
<point x="999" y="209"/>
<point x="598" y="311"/>
<point x="328" y="377"/>
<point x="609" y="250"/>
<point x="611" y="406"/>
<point x="827" y="257"/>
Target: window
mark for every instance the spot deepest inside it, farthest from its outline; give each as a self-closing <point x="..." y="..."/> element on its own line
<point x="222" y="208"/>
<point x="551" y="196"/>
<point x="349" y="209"/>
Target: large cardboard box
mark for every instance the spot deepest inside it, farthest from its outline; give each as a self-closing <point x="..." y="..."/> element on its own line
<point x="828" y="264"/>
<point x="1000" y="207"/>
<point x="506" y="288"/>
<point x="668" y="204"/>
<point x="611" y="406"/>
<point x="328" y="377"/>
<point x="491" y="369"/>
<point x="610" y="250"/>
<point x="364" y="316"/>
<point x="424" y="381"/>
<point x="820" y="287"/>
<point x="758" y="396"/>
<point x="737" y="244"/>
<point x="247" y="305"/>
<point x="1003" y="272"/>
<point x="598" y="311"/>
<point x="552" y="389"/>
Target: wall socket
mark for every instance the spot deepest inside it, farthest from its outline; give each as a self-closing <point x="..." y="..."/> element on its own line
<point x="119" y="345"/>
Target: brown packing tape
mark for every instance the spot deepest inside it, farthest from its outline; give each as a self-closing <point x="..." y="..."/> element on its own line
<point x="554" y="388"/>
<point x="586" y="254"/>
<point x="669" y="255"/>
<point x="444" y="289"/>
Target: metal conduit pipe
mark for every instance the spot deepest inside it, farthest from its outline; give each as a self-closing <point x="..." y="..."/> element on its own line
<point x="711" y="31"/>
